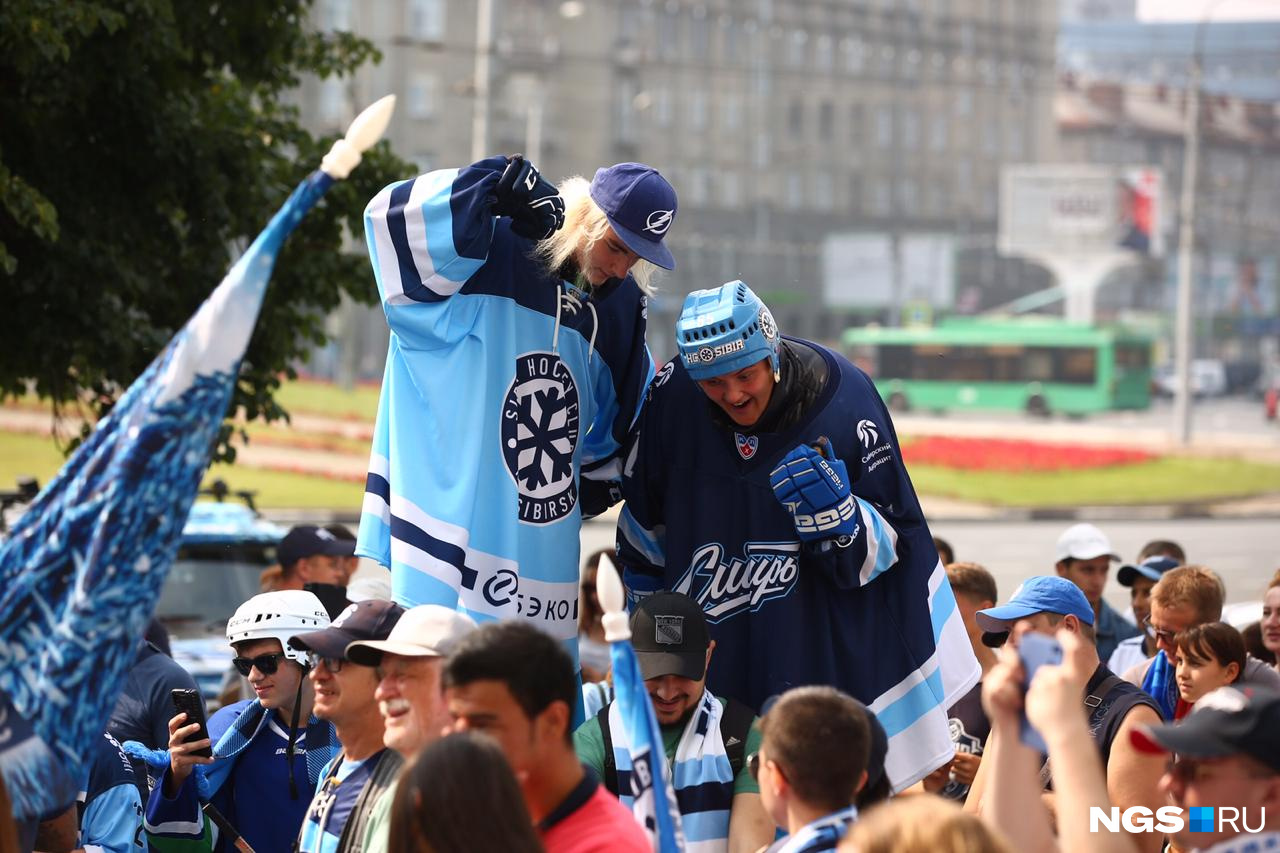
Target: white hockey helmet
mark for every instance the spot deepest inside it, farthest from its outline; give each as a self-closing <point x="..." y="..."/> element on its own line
<point x="278" y="615"/>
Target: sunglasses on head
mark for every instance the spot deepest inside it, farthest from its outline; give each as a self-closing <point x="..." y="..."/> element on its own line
<point x="266" y="664"/>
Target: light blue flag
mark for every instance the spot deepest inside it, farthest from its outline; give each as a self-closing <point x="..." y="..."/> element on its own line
<point x="654" y="801"/>
<point x="83" y="568"/>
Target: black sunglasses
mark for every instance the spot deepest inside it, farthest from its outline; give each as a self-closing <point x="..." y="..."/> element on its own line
<point x="266" y="664"/>
<point x="1158" y="633"/>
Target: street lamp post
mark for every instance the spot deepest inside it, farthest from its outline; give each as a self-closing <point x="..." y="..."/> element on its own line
<point x="1186" y="238"/>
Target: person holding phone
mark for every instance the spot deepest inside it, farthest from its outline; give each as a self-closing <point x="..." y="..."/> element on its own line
<point x="267" y="752"/>
<point x="1042" y="606"/>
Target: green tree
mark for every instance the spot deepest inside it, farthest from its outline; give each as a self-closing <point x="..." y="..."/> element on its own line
<point x="143" y="143"/>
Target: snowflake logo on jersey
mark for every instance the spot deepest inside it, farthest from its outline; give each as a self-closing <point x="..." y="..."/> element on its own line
<point x="747" y="444"/>
<point x="741" y="584"/>
<point x="868" y="433"/>
<point x="540" y="436"/>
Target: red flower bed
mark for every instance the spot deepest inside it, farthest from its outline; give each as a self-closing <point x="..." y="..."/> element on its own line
<point x="996" y="454"/>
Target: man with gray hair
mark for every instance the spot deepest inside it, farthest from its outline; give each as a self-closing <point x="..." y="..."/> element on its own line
<point x="409" y="692"/>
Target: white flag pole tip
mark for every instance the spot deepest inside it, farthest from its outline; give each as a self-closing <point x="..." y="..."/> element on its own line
<point x="609" y="591"/>
<point x="362" y="134"/>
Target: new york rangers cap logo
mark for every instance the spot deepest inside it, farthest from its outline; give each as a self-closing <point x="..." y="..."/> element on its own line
<point x="747" y="444"/>
<point x="668" y="630"/>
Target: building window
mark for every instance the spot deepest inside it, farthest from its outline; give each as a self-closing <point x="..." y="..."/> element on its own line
<point x="795" y="117"/>
<point x="938" y="133"/>
<point x="910" y="129"/>
<point x="881" y="202"/>
<point x="795" y="191"/>
<point x="424" y="96"/>
<point x="855" y="55"/>
<point x="699" y="186"/>
<point x="884" y="126"/>
<point x="822" y="51"/>
<point x="797" y="48"/>
<point x="698" y="109"/>
<point x="669" y="35"/>
<point x="730" y="189"/>
<point x="336" y="15"/>
<point x="625" y="109"/>
<point x="908" y="196"/>
<point x="334" y="101"/>
<point x="1015" y="142"/>
<point x="824" y="195"/>
<point x="826" y="120"/>
<point x="662" y="107"/>
<point x="856" y="191"/>
<point x="426" y="20"/>
<point x="731" y="112"/>
<point x="964" y="102"/>
<point x="857" y="124"/>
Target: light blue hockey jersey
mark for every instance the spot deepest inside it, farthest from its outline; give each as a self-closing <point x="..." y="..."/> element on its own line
<point x="502" y="386"/>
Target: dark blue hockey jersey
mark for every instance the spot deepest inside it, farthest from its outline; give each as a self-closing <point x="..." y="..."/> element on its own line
<point x="874" y="616"/>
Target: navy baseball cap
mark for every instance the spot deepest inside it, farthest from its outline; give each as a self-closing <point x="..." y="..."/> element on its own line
<point x="1151" y="568"/>
<point x="640" y="205"/>
<point x="364" y="620"/>
<point x="1040" y="594"/>
<point x="308" y="540"/>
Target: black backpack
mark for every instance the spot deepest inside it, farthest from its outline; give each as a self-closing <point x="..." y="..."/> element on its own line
<point x="735" y="722"/>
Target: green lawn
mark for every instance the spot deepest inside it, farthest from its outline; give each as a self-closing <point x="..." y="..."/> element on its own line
<point x="323" y="398"/>
<point x="1167" y="480"/>
<point x="22" y="454"/>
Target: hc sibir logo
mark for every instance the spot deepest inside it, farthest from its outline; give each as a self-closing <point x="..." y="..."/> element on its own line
<point x="540" y="436"/>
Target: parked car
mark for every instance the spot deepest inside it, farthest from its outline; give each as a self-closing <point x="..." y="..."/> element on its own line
<point x="225" y="547"/>
<point x="1208" y="378"/>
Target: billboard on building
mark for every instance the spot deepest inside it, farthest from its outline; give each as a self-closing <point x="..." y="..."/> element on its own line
<point x="858" y="270"/>
<point x="1080" y="209"/>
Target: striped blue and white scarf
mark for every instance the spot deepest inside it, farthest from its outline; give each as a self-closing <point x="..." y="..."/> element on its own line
<point x="823" y="834"/>
<point x="701" y="775"/>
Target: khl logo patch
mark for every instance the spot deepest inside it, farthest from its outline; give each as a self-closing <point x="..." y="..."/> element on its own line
<point x="868" y="433"/>
<point x="747" y="444"/>
<point x="540" y="436"/>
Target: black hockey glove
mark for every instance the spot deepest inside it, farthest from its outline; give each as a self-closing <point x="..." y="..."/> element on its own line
<point x="535" y="208"/>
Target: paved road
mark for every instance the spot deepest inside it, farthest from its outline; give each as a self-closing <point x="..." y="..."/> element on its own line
<point x="1244" y="552"/>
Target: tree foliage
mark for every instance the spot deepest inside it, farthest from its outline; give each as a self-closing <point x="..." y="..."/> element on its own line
<point x="143" y="144"/>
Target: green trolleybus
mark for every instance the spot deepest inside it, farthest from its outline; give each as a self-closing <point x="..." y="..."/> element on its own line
<point x="1040" y="365"/>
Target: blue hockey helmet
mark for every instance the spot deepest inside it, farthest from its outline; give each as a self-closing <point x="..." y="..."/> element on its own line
<point x="725" y="329"/>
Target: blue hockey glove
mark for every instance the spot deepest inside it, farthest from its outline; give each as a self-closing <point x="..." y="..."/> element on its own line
<point x="534" y="205"/>
<point x="816" y="492"/>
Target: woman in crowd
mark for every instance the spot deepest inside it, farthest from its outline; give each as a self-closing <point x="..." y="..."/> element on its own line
<point x="460" y="796"/>
<point x="1270" y="623"/>
<point x="1209" y="656"/>
<point x="921" y="824"/>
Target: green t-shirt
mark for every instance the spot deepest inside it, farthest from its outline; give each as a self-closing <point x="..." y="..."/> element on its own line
<point x="379" y="823"/>
<point x="588" y="742"/>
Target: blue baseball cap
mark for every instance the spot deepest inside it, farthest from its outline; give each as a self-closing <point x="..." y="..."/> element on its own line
<point x="640" y="205"/>
<point x="1151" y="568"/>
<point x="1040" y="594"/>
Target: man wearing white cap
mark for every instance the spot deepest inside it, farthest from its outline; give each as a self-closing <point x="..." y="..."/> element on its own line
<point x="409" y="693"/>
<point x="1084" y="558"/>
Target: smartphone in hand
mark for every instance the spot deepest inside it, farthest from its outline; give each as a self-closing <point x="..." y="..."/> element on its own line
<point x="1036" y="650"/>
<point x="187" y="701"/>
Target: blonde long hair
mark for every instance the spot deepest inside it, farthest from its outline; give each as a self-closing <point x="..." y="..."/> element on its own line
<point x="584" y="225"/>
<point x="921" y="823"/>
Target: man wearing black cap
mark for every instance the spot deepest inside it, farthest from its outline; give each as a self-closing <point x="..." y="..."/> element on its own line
<point x="1226" y="773"/>
<point x="705" y="738"/>
<point x="352" y="783"/>
<point x="311" y="554"/>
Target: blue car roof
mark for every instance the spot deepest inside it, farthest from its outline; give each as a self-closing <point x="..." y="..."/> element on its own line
<point x="211" y="522"/>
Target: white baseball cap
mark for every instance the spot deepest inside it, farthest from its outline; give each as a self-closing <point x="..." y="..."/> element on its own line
<point x="427" y="630"/>
<point x="1084" y="542"/>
